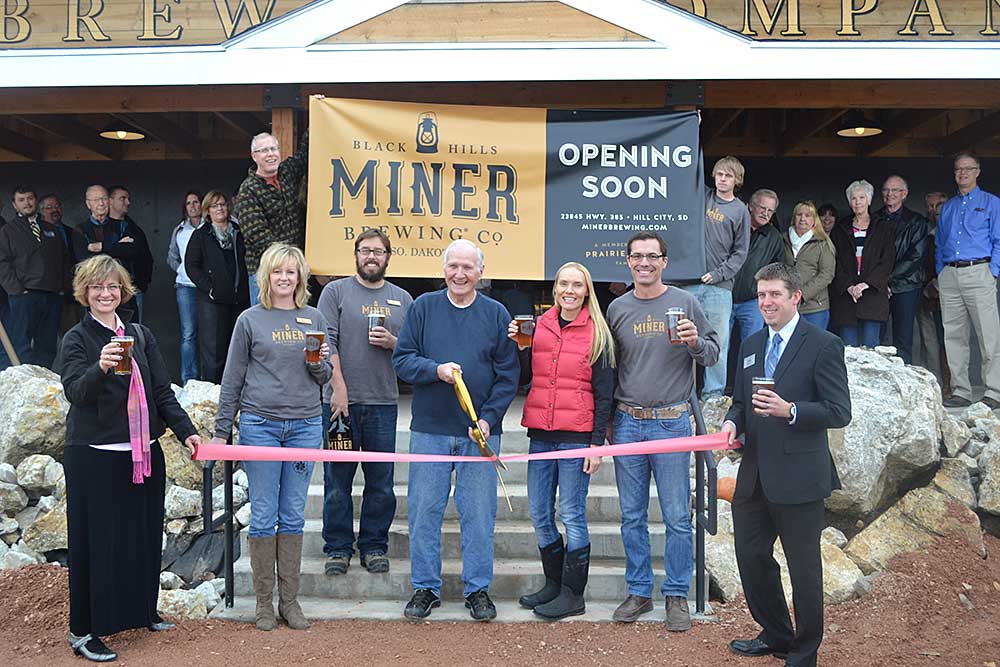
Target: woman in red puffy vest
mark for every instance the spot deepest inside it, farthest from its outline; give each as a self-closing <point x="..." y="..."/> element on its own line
<point x="570" y="366"/>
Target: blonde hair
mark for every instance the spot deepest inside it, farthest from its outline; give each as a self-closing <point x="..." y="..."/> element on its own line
<point x="275" y="256"/>
<point x="92" y="271"/>
<point x="817" y="228"/>
<point x="213" y="197"/>
<point x="729" y="163"/>
<point x="602" y="340"/>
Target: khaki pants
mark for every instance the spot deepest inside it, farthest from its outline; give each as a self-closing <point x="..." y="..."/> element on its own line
<point x="969" y="294"/>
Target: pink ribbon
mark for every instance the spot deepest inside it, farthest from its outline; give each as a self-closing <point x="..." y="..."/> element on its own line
<point x="696" y="443"/>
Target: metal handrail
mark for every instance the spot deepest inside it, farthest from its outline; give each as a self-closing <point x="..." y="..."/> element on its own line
<point x="226" y="519"/>
<point x="704" y="462"/>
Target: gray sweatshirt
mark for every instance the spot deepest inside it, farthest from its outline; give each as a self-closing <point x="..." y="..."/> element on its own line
<point x="727" y="238"/>
<point x="266" y="370"/>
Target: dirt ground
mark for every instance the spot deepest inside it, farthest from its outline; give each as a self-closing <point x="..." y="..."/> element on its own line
<point x="941" y="607"/>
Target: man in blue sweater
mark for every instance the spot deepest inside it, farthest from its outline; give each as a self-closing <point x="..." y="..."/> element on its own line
<point x="455" y="328"/>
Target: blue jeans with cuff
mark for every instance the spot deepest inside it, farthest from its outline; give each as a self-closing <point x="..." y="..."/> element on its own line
<point x="544" y="477"/>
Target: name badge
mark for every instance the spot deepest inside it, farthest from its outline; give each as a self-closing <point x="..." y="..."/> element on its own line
<point x="393" y="302"/>
<point x="303" y="320"/>
<point x="749" y="361"/>
<point x="49" y="234"/>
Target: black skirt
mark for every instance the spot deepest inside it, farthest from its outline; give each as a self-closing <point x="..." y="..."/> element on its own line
<point x="115" y="533"/>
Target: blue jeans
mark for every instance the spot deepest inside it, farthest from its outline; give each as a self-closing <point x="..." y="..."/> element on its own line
<point x="186" y="311"/>
<point x="373" y="427"/>
<point x="475" y="498"/>
<point x="903" y="306"/>
<point x="865" y="332"/>
<point x="278" y="489"/>
<point x="670" y="471"/>
<point x="254" y="289"/>
<point x="543" y="479"/>
<point x="820" y="319"/>
<point x="34" y="326"/>
<point x="747" y="318"/>
<point x="717" y="302"/>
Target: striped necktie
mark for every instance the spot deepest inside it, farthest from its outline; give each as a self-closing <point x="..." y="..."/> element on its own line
<point x="771" y="362"/>
<point x="36" y="230"/>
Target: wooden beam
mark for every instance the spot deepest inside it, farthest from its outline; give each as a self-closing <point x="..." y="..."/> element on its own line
<point x="716" y="122"/>
<point x="17" y="143"/>
<point x="137" y="99"/>
<point x="806" y="126"/>
<point x="283" y="129"/>
<point x="797" y="94"/>
<point x="72" y="130"/>
<point x="908" y="122"/>
<point x="243" y="122"/>
<point x="167" y="131"/>
<point x="967" y="137"/>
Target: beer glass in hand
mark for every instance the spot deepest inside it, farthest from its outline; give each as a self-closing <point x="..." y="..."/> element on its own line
<point x="525" y="330"/>
<point x="674" y="316"/>
<point x="124" y="365"/>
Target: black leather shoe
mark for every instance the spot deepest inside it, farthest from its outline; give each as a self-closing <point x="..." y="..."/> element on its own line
<point x="421" y="603"/>
<point x="480" y="606"/>
<point x="753" y="648"/>
<point x="161" y="626"/>
<point x="91" y="648"/>
<point x="991" y="403"/>
<point x="957" y="402"/>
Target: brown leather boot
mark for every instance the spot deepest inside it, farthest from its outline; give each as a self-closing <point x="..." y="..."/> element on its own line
<point x="262" y="557"/>
<point x="289" y="567"/>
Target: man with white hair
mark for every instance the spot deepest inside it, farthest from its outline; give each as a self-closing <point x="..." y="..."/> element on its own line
<point x="268" y="203"/>
<point x="452" y="329"/>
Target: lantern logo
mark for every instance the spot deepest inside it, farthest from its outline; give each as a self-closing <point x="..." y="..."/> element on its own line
<point x="427" y="133"/>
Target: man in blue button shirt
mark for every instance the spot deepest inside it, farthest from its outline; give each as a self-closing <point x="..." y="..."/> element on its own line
<point x="967" y="259"/>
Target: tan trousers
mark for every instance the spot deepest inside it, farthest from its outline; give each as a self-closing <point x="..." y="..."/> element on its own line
<point x="969" y="294"/>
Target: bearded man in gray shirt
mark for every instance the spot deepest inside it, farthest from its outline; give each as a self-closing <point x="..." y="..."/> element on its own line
<point x="365" y="313"/>
<point x="655" y="378"/>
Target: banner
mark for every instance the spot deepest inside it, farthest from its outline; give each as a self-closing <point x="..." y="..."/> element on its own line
<point x="533" y="188"/>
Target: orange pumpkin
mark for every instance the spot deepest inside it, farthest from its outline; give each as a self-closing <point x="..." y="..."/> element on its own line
<point x="726" y="487"/>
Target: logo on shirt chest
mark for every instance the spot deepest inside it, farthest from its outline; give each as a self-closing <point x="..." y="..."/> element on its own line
<point x="715" y="215"/>
<point x="649" y="327"/>
<point x="376" y="309"/>
<point x="288" y="336"/>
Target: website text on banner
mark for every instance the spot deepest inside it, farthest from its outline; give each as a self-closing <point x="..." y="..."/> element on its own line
<point x="697" y="443"/>
<point x="534" y="188"/>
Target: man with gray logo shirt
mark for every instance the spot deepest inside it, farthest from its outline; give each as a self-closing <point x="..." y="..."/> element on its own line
<point x="365" y="313"/>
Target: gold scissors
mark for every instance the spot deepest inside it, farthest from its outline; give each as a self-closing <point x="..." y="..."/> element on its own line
<point x="465" y="401"/>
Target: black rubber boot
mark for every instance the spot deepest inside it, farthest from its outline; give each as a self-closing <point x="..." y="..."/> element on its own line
<point x="569" y="602"/>
<point x="552" y="565"/>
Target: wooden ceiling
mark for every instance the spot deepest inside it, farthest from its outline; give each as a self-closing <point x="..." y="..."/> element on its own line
<point x="745" y="118"/>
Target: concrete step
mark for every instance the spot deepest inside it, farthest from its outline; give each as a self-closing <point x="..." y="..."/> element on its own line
<point x="450" y="610"/>
<point x="512" y="539"/>
<point x="511" y="579"/>
<point x="602" y="503"/>
<point x="516" y="473"/>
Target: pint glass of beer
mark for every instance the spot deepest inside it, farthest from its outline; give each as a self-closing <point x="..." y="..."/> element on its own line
<point x="525" y="330"/>
<point x="759" y="383"/>
<point x="375" y="320"/>
<point x="124" y="366"/>
<point x="674" y="316"/>
<point x="314" y="340"/>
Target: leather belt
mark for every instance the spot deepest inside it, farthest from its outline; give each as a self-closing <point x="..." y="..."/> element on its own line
<point x="666" y="412"/>
<point x="967" y="262"/>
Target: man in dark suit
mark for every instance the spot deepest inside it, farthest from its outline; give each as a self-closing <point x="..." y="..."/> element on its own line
<point x="787" y="471"/>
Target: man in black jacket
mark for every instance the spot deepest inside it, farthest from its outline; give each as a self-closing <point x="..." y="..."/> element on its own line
<point x="909" y="275"/>
<point x="34" y="272"/>
<point x="766" y="246"/>
<point x="787" y="470"/>
<point x="109" y="231"/>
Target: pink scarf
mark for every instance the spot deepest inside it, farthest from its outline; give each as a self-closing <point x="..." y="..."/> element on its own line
<point x="138" y="423"/>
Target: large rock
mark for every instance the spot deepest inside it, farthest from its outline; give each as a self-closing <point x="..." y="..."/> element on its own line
<point x="13" y="499"/>
<point x="842" y="579"/>
<point x="720" y="557"/>
<point x="170" y="581"/>
<point x="180" y="503"/>
<point x="218" y="496"/>
<point x="8" y="473"/>
<point x="209" y="594"/>
<point x="32" y="413"/>
<point x="714" y="411"/>
<point x="894" y="433"/>
<point x="989" y="480"/>
<point x="8" y="525"/>
<point x="201" y="401"/>
<point x="48" y="531"/>
<point x="18" y="555"/>
<point x="181" y="604"/>
<point x="955" y="435"/>
<point x="39" y="474"/>
<point x="954" y="479"/>
<point x="913" y="524"/>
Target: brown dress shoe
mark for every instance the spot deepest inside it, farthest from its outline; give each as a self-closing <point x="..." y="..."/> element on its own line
<point x="632" y="608"/>
<point x="678" y="615"/>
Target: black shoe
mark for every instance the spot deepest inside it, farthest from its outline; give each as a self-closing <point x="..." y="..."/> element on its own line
<point x="753" y="648"/>
<point x="569" y="602"/>
<point x="552" y="565"/>
<point x="376" y="563"/>
<point x="957" y="402"/>
<point x="480" y="606"/>
<point x="336" y="565"/>
<point x="421" y="603"/>
<point x="91" y="648"/>
<point x="991" y="403"/>
<point x="161" y="626"/>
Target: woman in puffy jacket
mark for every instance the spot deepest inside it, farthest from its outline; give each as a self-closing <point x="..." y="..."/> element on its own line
<point x="569" y="406"/>
<point x="810" y="250"/>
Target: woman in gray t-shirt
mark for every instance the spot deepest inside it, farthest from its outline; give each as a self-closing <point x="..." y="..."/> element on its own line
<point x="270" y="379"/>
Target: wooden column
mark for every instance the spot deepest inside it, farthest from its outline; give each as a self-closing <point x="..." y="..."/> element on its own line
<point x="283" y="129"/>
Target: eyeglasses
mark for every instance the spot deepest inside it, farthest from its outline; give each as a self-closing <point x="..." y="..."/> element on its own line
<point x="651" y="256"/>
<point x="892" y="191"/>
<point x="967" y="170"/>
<point x="267" y="149"/>
<point x="218" y="206"/>
<point x="378" y="252"/>
<point x="762" y="209"/>
<point x="114" y="287"/>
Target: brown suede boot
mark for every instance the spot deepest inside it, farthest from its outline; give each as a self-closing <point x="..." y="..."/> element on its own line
<point x="262" y="555"/>
<point x="289" y="567"/>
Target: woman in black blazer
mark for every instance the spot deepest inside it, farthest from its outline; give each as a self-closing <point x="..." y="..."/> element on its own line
<point x="216" y="263"/>
<point x="115" y="475"/>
